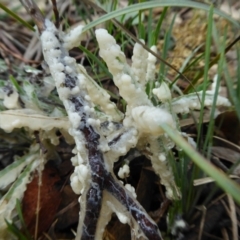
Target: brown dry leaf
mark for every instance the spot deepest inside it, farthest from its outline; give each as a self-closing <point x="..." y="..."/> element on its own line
<point x="50" y="198"/>
<point x="229" y="155"/>
<point x="226" y="154"/>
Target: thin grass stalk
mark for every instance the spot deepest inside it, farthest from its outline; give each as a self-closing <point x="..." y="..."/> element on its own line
<point x="159" y="25"/>
<point x="166" y="45"/>
<point x="150" y="28"/>
<point x="238" y="71"/>
<point x="231" y="89"/>
<point x="206" y="68"/>
<point x="209" y="135"/>
<point x="221" y="178"/>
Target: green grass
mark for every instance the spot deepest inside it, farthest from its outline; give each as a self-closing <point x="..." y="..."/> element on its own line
<point x="221" y="179"/>
<point x="154" y="4"/>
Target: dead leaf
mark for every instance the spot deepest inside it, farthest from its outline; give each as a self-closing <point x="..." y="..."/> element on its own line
<point x="226" y="154"/>
<point x="50" y="198"/>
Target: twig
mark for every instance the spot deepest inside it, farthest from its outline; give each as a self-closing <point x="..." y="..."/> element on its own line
<point x="56" y="13"/>
<point x="233" y="217"/>
<point x="203" y="209"/>
<point x="35" y="13"/>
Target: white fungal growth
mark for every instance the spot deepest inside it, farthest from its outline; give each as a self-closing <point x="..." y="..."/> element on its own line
<point x="58" y="61"/>
<point x="124" y="171"/>
<point x="163" y="92"/>
<point x="31" y="119"/>
<point x="80" y="178"/>
<point x="134" y="95"/>
<point x="139" y="64"/>
<point x="122" y="218"/>
<point x="110" y="51"/>
<point x="179" y="225"/>
<point x="149" y="119"/>
<point x="162" y="157"/>
<point x="115" y="59"/>
<point x="162" y="168"/>
<point x="131" y="189"/>
<point x="74" y="118"/>
<point x="126" y="140"/>
<point x="76" y="185"/>
<point x="123" y="215"/>
<point x="11" y="101"/>
<point x="105" y="215"/>
<point x="100" y="97"/>
<point x="140" y="113"/>
<point x="151" y="67"/>
<point x="184" y="103"/>
<point x="83" y="173"/>
<point x="190" y="140"/>
<point x="121" y="212"/>
<point x="73" y="37"/>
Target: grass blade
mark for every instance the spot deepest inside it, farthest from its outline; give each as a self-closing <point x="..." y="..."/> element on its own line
<point x="158" y="3"/>
<point x="221" y="178"/>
